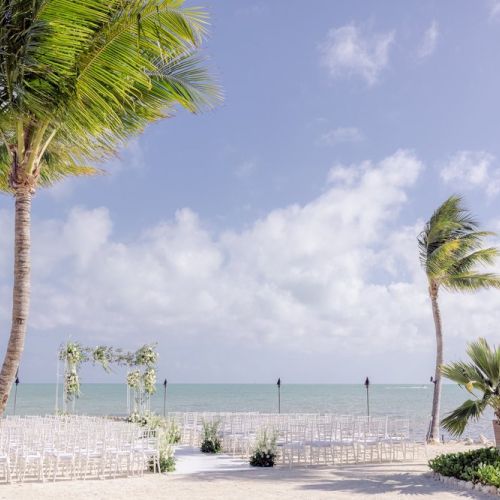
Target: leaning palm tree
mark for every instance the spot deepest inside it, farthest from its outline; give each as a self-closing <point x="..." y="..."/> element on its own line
<point x="77" y="79"/>
<point x="482" y="374"/>
<point x="450" y="249"/>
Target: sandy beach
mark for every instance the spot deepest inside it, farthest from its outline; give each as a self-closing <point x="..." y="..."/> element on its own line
<point x="232" y="479"/>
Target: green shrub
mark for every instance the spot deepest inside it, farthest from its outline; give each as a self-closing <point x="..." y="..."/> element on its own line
<point x="211" y="442"/>
<point x="489" y="474"/>
<point x="265" y="451"/>
<point x="481" y="465"/>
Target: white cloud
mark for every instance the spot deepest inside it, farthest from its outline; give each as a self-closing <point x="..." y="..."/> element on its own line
<point x="429" y="41"/>
<point x="301" y="271"/>
<point x="338" y="277"/>
<point x="341" y="135"/>
<point x="472" y="169"/>
<point x="352" y="51"/>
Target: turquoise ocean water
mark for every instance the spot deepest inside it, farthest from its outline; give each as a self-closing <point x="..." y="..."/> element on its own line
<point x="413" y="401"/>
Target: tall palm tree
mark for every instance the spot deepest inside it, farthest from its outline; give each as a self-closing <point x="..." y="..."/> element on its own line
<point x="77" y="79"/>
<point x="450" y="249"/>
<point x="482" y="374"/>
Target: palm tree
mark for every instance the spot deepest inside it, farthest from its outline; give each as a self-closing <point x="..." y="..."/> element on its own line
<point x="77" y="79"/>
<point x="481" y="374"/>
<point x="450" y="249"/>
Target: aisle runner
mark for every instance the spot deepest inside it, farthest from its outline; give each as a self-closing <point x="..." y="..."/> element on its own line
<point x="191" y="460"/>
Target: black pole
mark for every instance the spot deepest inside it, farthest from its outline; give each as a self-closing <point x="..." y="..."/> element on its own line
<point x="15" y="390"/>
<point x="367" y="385"/>
<point x="279" y="395"/>
<point x="165" y="398"/>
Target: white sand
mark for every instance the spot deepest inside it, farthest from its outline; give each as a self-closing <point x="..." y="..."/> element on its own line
<point x="201" y="477"/>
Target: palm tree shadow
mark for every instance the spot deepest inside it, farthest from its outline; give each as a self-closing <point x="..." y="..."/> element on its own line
<point x="400" y="484"/>
<point x="364" y="480"/>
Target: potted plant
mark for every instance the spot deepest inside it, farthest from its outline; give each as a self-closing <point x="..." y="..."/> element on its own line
<point x="481" y="378"/>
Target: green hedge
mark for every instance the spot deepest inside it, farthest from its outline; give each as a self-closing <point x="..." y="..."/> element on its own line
<point x="478" y="466"/>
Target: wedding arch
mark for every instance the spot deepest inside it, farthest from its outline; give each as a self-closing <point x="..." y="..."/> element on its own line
<point x="140" y="379"/>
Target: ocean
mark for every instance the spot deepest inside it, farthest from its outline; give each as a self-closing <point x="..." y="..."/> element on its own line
<point x="413" y="401"/>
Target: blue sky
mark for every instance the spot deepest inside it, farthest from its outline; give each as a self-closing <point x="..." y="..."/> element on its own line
<point x="275" y="235"/>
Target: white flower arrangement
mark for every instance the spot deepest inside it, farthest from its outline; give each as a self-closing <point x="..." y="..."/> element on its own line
<point x="104" y="356"/>
<point x="72" y="384"/>
<point x="146" y="356"/>
<point x="141" y="380"/>
<point x="149" y="379"/>
<point x="134" y="379"/>
<point x="73" y="353"/>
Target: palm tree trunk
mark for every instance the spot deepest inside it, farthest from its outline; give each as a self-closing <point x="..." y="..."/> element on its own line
<point x="436" y="399"/>
<point x="21" y="294"/>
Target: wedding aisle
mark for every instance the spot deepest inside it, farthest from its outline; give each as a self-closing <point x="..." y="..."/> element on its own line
<point x="190" y="460"/>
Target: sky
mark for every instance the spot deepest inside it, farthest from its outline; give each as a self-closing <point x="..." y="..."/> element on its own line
<point x="275" y="236"/>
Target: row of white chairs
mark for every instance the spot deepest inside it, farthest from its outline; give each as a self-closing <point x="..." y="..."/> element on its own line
<point x="346" y="440"/>
<point x="308" y="438"/>
<point x="71" y="446"/>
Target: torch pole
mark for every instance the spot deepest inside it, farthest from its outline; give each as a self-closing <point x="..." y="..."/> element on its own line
<point x="165" y="398"/>
<point x="367" y="385"/>
<point x="279" y="395"/>
<point x="15" y="390"/>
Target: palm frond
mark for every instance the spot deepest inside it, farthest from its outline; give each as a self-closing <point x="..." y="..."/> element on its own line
<point x="465" y="374"/>
<point x="450" y="248"/>
<point x="481" y="374"/>
<point x="486" y="359"/>
<point x="78" y="78"/>
<point x="481" y="257"/>
<point x="470" y="282"/>
<point x="456" y="421"/>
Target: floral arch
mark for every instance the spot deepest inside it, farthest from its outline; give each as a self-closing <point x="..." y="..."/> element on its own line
<point x="140" y="365"/>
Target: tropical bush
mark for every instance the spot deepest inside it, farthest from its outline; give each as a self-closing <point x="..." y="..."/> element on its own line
<point x="489" y="474"/>
<point x="482" y="374"/>
<point x="478" y="466"/>
<point x="265" y="451"/>
<point x="211" y="442"/>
